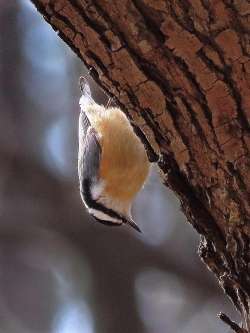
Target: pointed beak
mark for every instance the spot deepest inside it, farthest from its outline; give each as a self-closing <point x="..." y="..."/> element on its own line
<point x="133" y="225"/>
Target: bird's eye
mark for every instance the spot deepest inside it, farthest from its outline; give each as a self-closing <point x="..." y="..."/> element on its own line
<point x="108" y="223"/>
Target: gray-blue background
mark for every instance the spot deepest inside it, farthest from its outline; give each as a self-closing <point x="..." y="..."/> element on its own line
<point x="59" y="271"/>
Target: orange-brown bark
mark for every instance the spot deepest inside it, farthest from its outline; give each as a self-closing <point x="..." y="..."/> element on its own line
<point x="181" y="71"/>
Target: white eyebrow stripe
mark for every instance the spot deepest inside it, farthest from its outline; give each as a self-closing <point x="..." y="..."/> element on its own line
<point x="102" y="216"/>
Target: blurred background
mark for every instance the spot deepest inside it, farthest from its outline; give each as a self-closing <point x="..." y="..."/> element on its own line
<point x="60" y="272"/>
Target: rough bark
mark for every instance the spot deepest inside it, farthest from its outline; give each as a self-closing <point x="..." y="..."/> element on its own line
<point x="181" y="72"/>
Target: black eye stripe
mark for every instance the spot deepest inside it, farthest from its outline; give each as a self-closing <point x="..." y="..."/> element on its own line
<point x="85" y="188"/>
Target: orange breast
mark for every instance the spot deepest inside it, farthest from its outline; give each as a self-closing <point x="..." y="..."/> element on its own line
<point x="124" y="165"/>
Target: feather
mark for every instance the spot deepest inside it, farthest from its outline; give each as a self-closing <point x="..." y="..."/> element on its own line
<point x="86" y="98"/>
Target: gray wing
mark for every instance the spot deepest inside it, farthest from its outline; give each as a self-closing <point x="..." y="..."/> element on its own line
<point x="89" y="151"/>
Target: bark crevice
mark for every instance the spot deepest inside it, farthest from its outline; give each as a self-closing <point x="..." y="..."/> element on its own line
<point x="182" y="70"/>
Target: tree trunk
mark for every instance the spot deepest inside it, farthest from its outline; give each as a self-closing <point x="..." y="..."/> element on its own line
<point x="181" y="72"/>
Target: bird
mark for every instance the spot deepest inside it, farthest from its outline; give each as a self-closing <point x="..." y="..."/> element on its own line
<point x="112" y="161"/>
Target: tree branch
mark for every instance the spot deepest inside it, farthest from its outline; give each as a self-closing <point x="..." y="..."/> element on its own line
<point x="180" y="71"/>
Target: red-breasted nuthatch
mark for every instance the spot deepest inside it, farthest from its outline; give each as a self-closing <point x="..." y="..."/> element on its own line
<point x="112" y="161"/>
